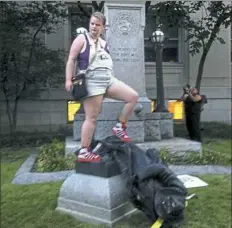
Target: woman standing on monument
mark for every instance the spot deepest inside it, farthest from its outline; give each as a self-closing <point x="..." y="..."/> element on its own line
<point x="101" y="83"/>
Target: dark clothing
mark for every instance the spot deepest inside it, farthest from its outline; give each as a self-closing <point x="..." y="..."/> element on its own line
<point x="193" y="127"/>
<point x="192" y="107"/>
<point x="192" y="115"/>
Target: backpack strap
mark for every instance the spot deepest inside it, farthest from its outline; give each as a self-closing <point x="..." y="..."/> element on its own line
<point x="107" y="48"/>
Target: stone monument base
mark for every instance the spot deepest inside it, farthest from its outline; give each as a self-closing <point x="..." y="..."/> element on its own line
<point x="108" y="117"/>
<point x="94" y="199"/>
<point x="141" y="127"/>
<point x="178" y="146"/>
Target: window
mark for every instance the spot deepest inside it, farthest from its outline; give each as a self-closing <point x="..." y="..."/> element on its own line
<point x="171" y="46"/>
<point x="79" y="19"/>
<point x="176" y="107"/>
<point x="73" y="108"/>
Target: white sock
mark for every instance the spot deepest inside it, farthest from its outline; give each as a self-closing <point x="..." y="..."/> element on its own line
<point x="83" y="150"/>
<point x="119" y="125"/>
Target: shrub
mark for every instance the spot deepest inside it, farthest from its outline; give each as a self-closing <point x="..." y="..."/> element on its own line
<point x="52" y="158"/>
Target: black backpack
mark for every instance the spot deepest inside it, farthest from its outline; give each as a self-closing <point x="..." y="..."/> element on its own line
<point x="152" y="187"/>
<point x="204" y="101"/>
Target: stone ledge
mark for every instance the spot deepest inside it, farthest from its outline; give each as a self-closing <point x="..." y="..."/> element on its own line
<point x="174" y="145"/>
<point x="158" y="115"/>
<point x="137" y="117"/>
<point x="109" y="117"/>
<point x="25" y="176"/>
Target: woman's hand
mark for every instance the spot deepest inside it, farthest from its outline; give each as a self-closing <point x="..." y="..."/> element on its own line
<point x="68" y="85"/>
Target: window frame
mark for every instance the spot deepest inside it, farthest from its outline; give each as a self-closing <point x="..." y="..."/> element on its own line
<point x="179" y="40"/>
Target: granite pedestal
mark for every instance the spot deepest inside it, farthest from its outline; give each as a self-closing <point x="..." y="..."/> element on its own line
<point x="109" y="117"/>
<point x="141" y="127"/>
<point x="95" y="194"/>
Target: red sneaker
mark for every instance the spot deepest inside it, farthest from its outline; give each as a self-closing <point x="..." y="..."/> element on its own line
<point x="85" y="155"/>
<point x="120" y="131"/>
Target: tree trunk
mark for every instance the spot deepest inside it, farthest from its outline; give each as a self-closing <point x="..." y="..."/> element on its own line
<point x="83" y="9"/>
<point x="98" y="7"/>
<point x="9" y="113"/>
<point x="205" y="52"/>
<point x="14" y="115"/>
<point x="200" y="70"/>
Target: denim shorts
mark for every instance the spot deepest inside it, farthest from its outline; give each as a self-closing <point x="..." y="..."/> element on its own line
<point x="98" y="81"/>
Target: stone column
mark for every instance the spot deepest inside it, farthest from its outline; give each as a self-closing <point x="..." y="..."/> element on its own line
<point x="125" y="25"/>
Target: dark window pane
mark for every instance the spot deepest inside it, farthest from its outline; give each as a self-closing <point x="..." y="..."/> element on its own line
<point x="149" y="51"/>
<point x="172" y="32"/>
<point x="150" y="25"/>
<point x="170" y="55"/>
<point x="170" y="51"/>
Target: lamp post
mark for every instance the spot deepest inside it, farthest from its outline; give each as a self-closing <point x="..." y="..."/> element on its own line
<point x="81" y="30"/>
<point x="158" y="39"/>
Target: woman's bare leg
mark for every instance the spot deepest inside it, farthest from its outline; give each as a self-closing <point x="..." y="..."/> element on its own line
<point x="92" y="107"/>
<point x="120" y="91"/>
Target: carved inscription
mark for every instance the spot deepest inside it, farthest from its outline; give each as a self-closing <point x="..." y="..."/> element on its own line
<point x="124" y="24"/>
<point x="125" y="55"/>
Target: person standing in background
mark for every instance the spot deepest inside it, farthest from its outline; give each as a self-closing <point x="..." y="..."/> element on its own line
<point x="193" y="107"/>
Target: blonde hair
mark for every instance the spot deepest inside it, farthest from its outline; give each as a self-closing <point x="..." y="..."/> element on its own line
<point x="99" y="16"/>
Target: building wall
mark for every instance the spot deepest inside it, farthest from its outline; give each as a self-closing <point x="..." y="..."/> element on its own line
<point x="216" y="80"/>
<point x="49" y="111"/>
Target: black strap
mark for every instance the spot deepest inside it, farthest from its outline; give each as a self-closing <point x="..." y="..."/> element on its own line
<point x="86" y="38"/>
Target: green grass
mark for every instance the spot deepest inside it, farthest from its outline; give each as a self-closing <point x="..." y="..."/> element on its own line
<point x="33" y="206"/>
<point x="9" y="154"/>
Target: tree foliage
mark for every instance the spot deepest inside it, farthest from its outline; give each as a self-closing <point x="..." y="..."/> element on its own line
<point x="25" y="61"/>
<point x="202" y="30"/>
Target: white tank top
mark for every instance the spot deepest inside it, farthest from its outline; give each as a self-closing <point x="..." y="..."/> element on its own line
<point x="102" y="59"/>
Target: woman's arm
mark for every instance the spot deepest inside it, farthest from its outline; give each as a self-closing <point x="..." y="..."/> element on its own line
<point x="183" y="97"/>
<point x="75" y="49"/>
<point x="195" y="98"/>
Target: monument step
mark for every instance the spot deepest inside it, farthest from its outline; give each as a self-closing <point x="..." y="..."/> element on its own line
<point x="174" y="146"/>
